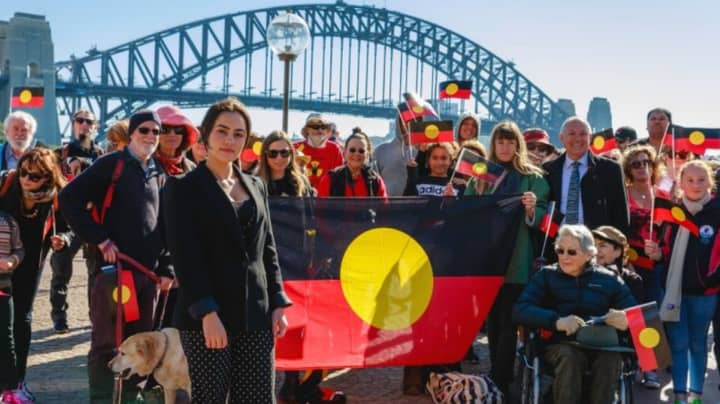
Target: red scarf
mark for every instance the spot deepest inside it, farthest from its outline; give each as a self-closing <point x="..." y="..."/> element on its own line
<point x="172" y="165"/>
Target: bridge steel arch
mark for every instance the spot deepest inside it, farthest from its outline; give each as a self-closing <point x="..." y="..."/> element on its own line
<point x="161" y="66"/>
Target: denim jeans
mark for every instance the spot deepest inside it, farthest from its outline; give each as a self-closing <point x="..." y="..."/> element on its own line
<point x="688" y="342"/>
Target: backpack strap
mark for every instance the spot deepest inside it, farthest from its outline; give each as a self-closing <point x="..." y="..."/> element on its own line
<point x="107" y="201"/>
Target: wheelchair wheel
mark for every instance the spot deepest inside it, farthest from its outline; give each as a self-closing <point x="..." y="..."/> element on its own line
<point x="531" y="387"/>
<point x="627" y="380"/>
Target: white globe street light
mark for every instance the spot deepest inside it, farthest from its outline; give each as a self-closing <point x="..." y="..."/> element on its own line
<point x="288" y="36"/>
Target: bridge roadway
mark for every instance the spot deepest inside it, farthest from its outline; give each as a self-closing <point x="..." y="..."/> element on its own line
<point x="57" y="364"/>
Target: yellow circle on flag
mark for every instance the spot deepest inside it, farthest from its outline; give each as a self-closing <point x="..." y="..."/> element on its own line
<point x="125" y="294"/>
<point x="696" y="138"/>
<point x="432" y="131"/>
<point x="452" y="88"/>
<point x="632" y="254"/>
<point x="417" y="109"/>
<point x="677" y="214"/>
<point x="386" y="278"/>
<point x="598" y="142"/>
<point x="25" y="96"/>
<point x="479" y="168"/>
<point x="649" y="337"/>
<point x="257" y="148"/>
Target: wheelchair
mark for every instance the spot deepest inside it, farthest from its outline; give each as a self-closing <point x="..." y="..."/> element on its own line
<point x="534" y="388"/>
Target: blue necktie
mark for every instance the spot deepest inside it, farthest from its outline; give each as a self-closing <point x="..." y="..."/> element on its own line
<point x="572" y="213"/>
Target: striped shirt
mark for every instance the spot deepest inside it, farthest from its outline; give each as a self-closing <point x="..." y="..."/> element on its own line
<point x="10" y="245"/>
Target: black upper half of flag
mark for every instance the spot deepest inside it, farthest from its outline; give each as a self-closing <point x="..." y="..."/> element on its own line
<point x="34" y="91"/>
<point x="312" y="235"/>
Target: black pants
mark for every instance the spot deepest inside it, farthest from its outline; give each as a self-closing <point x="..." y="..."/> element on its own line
<point x="242" y="372"/>
<point x="102" y="342"/>
<point x="502" y="336"/>
<point x="8" y="359"/>
<point x="25" y="281"/>
<point x="61" y="263"/>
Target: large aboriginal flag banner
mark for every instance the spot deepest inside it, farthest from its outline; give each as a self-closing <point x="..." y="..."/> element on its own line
<point x="648" y="337"/>
<point x="389" y="282"/>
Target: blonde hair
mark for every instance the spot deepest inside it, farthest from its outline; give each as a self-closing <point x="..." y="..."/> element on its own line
<point x="520" y="161"/>
<point x="702" y="165"/>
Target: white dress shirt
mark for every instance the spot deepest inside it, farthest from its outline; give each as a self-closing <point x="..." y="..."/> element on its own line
<point x="567" y="172"/>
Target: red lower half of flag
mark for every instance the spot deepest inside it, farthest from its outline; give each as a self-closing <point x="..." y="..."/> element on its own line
<point x="549" y="226"/>
<point x="128" y="294"/>
<point x="35" y="102"/>
<point x="324" y="331"/>
<point x="602" y="146"/>
<point x="460" y="93"/>
<point x="442" y="136"/>
<point x="468" y="168"/>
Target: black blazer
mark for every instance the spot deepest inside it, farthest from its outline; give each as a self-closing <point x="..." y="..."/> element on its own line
<point x="221" y="266"/>
<point x="602" y="187"/>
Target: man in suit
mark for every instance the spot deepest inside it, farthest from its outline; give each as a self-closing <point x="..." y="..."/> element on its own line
<point x="588" y="189"/>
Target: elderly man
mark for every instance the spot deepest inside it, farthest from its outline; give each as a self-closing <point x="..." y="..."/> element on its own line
<point x="130" y="225"/>
<point x="322" y="155"/>
<point x="588" y="189"/>
<point x="20" y="130"/>
<point x="560" y="298"/>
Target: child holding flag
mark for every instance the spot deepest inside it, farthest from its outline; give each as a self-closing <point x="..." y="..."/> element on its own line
<point x="437" y="182"/>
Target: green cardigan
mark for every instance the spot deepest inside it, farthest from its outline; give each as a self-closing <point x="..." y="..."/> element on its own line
<point x="523" y="255"/>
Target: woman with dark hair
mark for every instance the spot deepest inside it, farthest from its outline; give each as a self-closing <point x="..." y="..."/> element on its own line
<point x="177" y="135"/>
<point x="437" y="183"/>
<point x="507" y="148"/>
<point x="356" y="178"/>
<point x="29" y="194"/>
<point x="231" y="300"/>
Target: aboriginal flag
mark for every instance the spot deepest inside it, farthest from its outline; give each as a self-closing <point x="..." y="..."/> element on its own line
<point x="387" y="281"/>
<point x="550" y="224"/>
<point x="431" y="132"/>
<point x="406" y="114"/>
<point x="131" y="311"/>
<point x="252" y="153"/>
<point x="648" y="337"/>
<point x="475" y="165"/>
<point x="696" y="140"/>
<point x="667" y="211"/>
<point x="637" y="257"/>
<point x="27" y="97"/>
<point x="419" y="106"/>
<point x="456" y="89"/>
<point x="603" y="141"/>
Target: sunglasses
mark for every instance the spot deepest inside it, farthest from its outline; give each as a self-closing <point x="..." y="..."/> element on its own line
<point x="538" y="147"/>
<point x="81" y="121"/>
<point x="358" y="151"/>
<point x="639" y="164"/>
<point x="273" y="154"/>
<point x="145" y="130"/>
<point x="179" y="130"/>
<point x="317" y="126"/>
<point x="34" y="177"/>
<point x="569" y="251"/>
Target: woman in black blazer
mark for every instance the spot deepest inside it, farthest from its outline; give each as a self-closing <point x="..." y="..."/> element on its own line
<point x="231" y="299"/>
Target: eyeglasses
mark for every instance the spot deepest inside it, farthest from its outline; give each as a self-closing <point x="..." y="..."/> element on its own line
<point x="34" y="177"/>
<point x="179" y="130"/>
<point x="358" y="151"/>
<point x="539" y="147"/>
<point x="273" y="154"/>
<point x="316" y="127"/>
<point x="145" y="130"/>
<point x="81" y="121"/>
<point x="569" y="251"/>
<point x="639" y="164"/>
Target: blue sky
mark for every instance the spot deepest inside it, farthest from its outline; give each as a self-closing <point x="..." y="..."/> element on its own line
<point x="638" y="54"/>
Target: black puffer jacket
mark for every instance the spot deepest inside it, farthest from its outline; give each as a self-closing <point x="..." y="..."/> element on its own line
<point x="552" y="294"/>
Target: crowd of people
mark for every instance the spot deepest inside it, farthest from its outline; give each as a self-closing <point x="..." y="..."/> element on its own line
<point x="182" y="207"/>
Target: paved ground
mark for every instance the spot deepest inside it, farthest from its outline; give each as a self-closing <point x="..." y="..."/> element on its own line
<point x="57" y="372"/>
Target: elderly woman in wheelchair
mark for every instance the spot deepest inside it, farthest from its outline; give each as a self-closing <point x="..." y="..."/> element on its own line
<point x="561" y="298"/>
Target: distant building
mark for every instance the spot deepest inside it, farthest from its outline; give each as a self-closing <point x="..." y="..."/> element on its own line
<point x="599" y="116"/>
<point x="566" y="105"/>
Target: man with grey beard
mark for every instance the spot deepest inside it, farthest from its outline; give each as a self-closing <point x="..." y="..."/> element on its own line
<point x="131" y="225"/>
<point x="20" y="130"/>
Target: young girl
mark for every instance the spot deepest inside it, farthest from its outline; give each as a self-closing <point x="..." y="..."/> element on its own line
<point x="691" y="280"/>
<point x="11" y="254"/>
<point x="437" y="182"/>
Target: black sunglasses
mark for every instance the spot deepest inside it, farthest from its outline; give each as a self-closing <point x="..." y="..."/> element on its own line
<point x="358" y="151"/>
<point x="284" y="153"/>
<point x="80" y="121"/>
<point x="34" y="177"/>
<point x="639" y="163"/>
<point x="539" y="147"/>
<point x="179" y="130"/>
<point x="569" y="251"/>
<point x="145" y="130"/>
<point x="317" y="126"/>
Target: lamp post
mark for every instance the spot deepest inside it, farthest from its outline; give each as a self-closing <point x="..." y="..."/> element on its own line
<point x="288" y="36"/>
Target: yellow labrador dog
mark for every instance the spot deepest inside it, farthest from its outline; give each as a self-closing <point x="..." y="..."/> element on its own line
<point x="159" y="353"/>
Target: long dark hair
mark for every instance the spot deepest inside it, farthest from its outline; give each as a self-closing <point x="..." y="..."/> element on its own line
<point x="47" y="162"/>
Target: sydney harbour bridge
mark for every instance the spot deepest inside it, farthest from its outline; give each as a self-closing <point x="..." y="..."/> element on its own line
<point x="359" y="62"/>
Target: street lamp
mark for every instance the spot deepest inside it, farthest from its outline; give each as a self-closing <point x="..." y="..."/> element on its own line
<point x="287" y="35"/>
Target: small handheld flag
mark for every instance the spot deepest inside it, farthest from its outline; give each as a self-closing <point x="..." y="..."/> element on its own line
<point x="637" y="257"/>
<point x="431" y="132"/>
<point x="418" y="106"/>
<point x="406" y="114"/>
<point x="667" y="211"/>
<point x="252" y="153"/>
<point x="696" y="140"/>
<point x="474" y="165"/>
<point x="128" y="296"/>
<point x="648" y="337"/>
<point x="602" y="141"/>
<point x="550" y="224"/>
<point x="456" y="89"/>
<point x="27" y="97"/>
